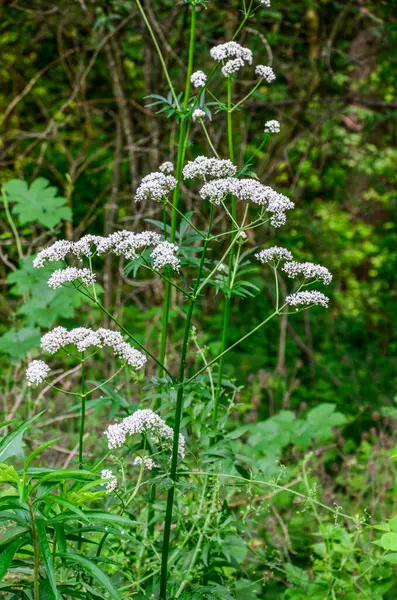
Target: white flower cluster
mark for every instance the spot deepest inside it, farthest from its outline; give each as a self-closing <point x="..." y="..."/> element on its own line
<point x="252" y="191"/>
<point x="198" y="79"/>
<point x="265" y="73"/>
<point x="148" y="463"/>
<point x="144" y="421"/>
<point x="37" y="372"/>
<point x="272" y="126"/>
<point x="231" y="50"/>
<point x="204" y="167"/>
<point x="122" y="243"/>
<point x="167" y="167"/>
<point x="112" y="484"/>
<point x="164" y="254"/>
<point x="236" y="56"/>
<point x="232" y="66"/>
<point x="155" y="186"/>
<point x="198" y="114"/>
<point x="307" y="298"/>
<point x="128" y="244"/>
<point x="270" y="255"/>
<point x="308" y="270"/>
<point x="57" y="251"/>
<point x="83" y="338"/>
<point x="265" y="3"/>
<point x="61" y="276"/>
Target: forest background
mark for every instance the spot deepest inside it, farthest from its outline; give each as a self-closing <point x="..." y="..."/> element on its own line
<point x="74" y="109"/>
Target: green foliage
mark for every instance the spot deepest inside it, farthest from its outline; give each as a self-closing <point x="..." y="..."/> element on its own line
<point x="37" y="203"/>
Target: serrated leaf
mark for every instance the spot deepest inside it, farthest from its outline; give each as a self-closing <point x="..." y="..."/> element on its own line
<point x="17" y="342"/>
<point x="37" y="203"/>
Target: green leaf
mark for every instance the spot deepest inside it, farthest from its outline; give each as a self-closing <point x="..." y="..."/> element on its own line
<point x="52" y="499"/>
<point x="94" y="571"/>
<point x="17" y="342"/>
<point x="37" y="204"/>
<point x="47" y="557"/>
<point x="36" y="452"/>
<point x="388" y="541"/>
<point x="7" y="441"/>
<point x="8" y="554"/>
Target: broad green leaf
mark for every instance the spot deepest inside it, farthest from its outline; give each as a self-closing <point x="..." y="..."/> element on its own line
<point x="95" y="572"/>
<point x="47" y="556"/>
<point x="6" y="442"/>
<point x="17" y="342"/>
<point x="388" y="541"/>
<point x="38" y="203"/>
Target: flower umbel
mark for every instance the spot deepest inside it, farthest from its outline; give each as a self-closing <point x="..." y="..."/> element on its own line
<point x="37" y="372"/>
<point x="198" y="79"/>
<point x="204" y="167"/>
<point x="272" y="126"/>
<point x="144" y="421"/>
<point x="112" y="484"/>
<point x="308" y="270"/>
<point x="307" y="298"/>
<point x="274" y="254"/>
<point x="265" y="73"/>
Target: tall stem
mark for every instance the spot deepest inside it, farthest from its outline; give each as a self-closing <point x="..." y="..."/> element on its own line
<point x="82" y="418"/>
<point x="226" y="308"/>
<point x="175" y="203"/>
<point x="36" y="554"/>
<point x="177" y="422"/>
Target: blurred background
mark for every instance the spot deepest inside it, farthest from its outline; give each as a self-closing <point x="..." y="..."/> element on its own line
<point x="75" y="77"/>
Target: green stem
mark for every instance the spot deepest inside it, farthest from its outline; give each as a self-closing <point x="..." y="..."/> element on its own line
<point x="164" y="66"/>
<point x="177" y="422"/>
<point x="183" y="133"/>
<point x="82" y="419"/>
<point x="247" y="96"/>
<point x="12" y="225"/>
<point x="207" y="135"/>
<point x="186" y="219"/>
<point x="36" y="554"/>
<point x="226" y="309"/>
<point x="247" y="335"/>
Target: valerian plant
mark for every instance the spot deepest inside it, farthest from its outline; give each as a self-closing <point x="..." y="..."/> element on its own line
<point x="66" y="529"/>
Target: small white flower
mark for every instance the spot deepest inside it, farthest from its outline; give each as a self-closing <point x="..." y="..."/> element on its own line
<point x="276" y="253"/>
<point x="204" y="167"/>
<point x="155" y="186"/>
<point x="112" y="484"/>
<point x="265" y="3"/>
<point x="222" y="268"/>
<point x="308" y="270"/>
<point x="61" y="276"/>
<point x="265" y="73"/>
<point x="37" y="372"/>
<point x="167" y="167"/>
<point x="307" y="298"/>
<point x="164" y="255"/>
<point x="242" y="236"/>
<point x="148" y="463"/>
<point x="249" y="190"/>
<point x="144" y="421"/>
<point x="272" y="126"/>
<point x="231" y="50"/>
<point x="232" y="66"/>
<point x="53" y="253"/>
<point x="84" y="338"/>
<point x="198" y="114"/>
<point x="198" y="79"/>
